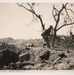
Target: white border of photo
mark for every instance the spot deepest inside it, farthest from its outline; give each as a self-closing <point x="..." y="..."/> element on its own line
<point x="62" y="1"/>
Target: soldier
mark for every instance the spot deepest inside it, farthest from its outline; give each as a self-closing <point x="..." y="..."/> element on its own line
<point x="46" y="34"/>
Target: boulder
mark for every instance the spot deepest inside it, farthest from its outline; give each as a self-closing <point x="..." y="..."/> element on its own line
<point x="7" y="56"/>
<point x="62" y="54"/>
<point x="32" y="45"/>
<point x="24" y="57"/>
<point x="17" y="65"/>
<point x="45" y="55"/>
<point x="3" y="45"/>
<point x="11" y="66"/>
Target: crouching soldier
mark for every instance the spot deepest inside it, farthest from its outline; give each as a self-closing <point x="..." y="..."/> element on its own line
<point x="46" y="35"/>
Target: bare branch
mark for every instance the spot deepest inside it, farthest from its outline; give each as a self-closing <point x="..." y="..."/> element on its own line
<point x="55" y="14"/>
<point x="24" y="7"/>
<point x="59" y="13"/>
<point x="33" y="12"/>
<point x="31" y="6"/>
<point x="31" y="20"/>
<point x="67" y="18"/>
<point x="64" y="25"/>
<point x="71" y="11"/>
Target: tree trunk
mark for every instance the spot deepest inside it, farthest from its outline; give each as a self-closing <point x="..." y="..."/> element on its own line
<point x="54" y="38"/>
<point x="46" y="39"/>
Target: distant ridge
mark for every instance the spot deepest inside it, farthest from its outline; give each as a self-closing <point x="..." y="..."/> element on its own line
<point x="7" y="40"/>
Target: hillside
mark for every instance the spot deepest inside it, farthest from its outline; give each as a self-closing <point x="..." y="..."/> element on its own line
<point x="17" y="54"/>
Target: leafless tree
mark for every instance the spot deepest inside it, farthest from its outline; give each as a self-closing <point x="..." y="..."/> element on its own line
<point x="56" y="13"/>
<point x="67" y="19"/>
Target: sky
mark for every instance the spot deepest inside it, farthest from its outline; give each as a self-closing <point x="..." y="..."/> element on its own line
<point x="14" y="21"/>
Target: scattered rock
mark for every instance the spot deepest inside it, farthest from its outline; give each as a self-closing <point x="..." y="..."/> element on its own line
<point x="71" y="66"/>
<point x="4" y="67"/>
<point x="11" y="65"/>
<point x="17" y="65"/>
<point x="45" y="55"/>
<point x="44" y="61"/>
<point x="28" y="67"/>
<point x="24" y="57"/>
<point x="27" y="63"/>
<point x="27" y="48"/>
<point x="61" y="66"/>
<point x="30" y="45"/>
<point x="68" y="51"/>
<point x="3" y="45"/>
<point x="62" y="54"/>
<point x="38" y="66"/>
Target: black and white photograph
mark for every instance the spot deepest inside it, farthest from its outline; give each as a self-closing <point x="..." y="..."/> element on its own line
<point x="36" y="36"/>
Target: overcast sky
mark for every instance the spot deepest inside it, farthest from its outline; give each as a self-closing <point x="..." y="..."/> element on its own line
<point x="14" y="21"/>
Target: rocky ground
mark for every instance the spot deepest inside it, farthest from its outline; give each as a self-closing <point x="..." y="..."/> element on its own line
<point x="30" y="55"/>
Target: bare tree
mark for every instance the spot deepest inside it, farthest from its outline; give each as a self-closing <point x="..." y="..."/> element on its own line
<point x="67" y="20"/>
<point x="36" y="16"/>
<point x="57" y="13"/>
